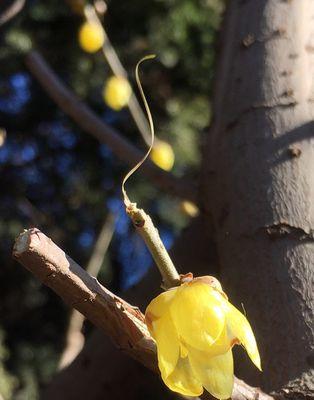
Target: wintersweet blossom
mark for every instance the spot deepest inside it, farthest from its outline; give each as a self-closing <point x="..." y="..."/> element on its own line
<point x="117" y="92"/>
<point x="195" y="328"/>
<point x="91" y="37"/>
<point x="162" y="155"/>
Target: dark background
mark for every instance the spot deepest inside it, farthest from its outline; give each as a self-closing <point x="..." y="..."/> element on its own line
<point x="56" y="177"/>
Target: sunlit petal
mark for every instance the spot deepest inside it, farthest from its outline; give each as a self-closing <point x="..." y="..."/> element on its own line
<point x="195" y="327"/>
<point x="168" y="346"/>
<point x="239" y="327"/>
<point x="221" y="345"/>
<point x="215" y="373"/>
<point x="160" y="304"/>
<point x="197" y="315"/>
<point x="182" y="380"/>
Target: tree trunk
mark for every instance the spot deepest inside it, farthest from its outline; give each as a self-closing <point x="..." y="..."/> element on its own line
<point x="259" y="182"/>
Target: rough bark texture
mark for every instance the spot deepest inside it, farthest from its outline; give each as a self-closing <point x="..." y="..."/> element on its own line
<point x="259" y="182"/>
<point x="123" y="323"/>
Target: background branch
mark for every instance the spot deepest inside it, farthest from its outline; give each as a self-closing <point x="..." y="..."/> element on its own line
<point x="74" y="337"/>
<point x="87" y="120"/>
<point x="117" y="68"/>
<point x="11" y="10"/>
<point x="123" y="323"/>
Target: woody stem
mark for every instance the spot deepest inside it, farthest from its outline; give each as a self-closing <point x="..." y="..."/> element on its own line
<point x="145" y="227"/>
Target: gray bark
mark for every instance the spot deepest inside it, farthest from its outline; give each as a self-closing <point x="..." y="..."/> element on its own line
<point x="259" y="182"/>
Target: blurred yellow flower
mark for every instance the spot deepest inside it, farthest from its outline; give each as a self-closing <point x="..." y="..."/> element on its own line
<point x="162" y="155"/>
<point x="195" y="328"/>
<point x="189" y="208"/>
<point x="117" y="92"/>
<point x="3" y="136"/>
<point x="91" y="37"/>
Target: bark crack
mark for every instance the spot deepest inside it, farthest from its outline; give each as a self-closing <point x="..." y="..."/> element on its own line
<point x="283" y="230"/>
<point x="261" y="106"/>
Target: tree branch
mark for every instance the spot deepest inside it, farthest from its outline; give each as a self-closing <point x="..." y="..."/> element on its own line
<point x="74" y="336"/>
<point x="123" y="323"/>
<point x="11" y="10"/>
<point x="117" y="68"/>
<point x="87" y="120"/>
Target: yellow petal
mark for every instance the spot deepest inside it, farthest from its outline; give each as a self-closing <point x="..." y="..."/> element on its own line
<point x="91" y="37"/>
<point x="197" y="314"/>
<point x="238" y="326"/>
<point x="215" y="373"/>
<point x="183" y="350"/>
<point x="168" y="346"/>
<point x="163" y="155"/>
<point x="182" y="380"/>
<point x="160" y="304"/>
<point x="221" y="345"/>
<point x="117" y="92"/>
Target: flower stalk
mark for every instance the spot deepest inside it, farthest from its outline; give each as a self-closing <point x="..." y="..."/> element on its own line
<point x="193" y="324"/>
<point x="145" y="227"/>
<point x="143" y="223"/>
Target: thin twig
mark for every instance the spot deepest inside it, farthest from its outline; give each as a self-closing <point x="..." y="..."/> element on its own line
<point x="11" y="11"/>
<point x="101" y="246"/>
<point x="140" y="219"/>
<point x="92" y="124"/>
<point x="74" y="340"/>
<point x="117" y="68"/>
<point x="123" y="323"/>
<point x="74" y="337"/>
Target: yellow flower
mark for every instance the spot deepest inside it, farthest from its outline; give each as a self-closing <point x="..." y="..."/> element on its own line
<point x="189" y="208"/>
<point x="162" y="155"/>
<point x="117" y="92"/>
<point x="91" y="37"/>
<point x="195" y="328"/>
